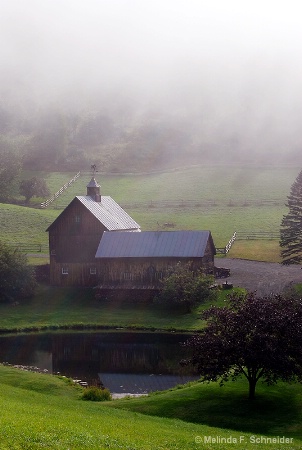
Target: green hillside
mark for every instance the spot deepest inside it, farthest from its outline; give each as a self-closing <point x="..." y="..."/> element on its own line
<point x="42" y="411"/>
<point x="222" y="199"/>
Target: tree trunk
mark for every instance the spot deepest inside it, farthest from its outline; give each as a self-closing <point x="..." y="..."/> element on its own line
<point x="252" y="388"/>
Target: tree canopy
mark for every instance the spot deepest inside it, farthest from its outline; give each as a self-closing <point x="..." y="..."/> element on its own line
<point x="34" y="187"/>
<point x="291" y="226"/>
<point x="259" y="338"/>
<point x="185" y="287"/>
<point x="17" y="278"/>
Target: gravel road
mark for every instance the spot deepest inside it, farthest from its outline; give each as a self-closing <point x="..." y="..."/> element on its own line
<point x="263" y="277"/>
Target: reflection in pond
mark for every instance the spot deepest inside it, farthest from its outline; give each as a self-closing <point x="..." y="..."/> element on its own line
<point x="124" y="362"/>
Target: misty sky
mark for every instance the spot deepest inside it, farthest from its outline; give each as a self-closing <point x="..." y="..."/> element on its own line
<point x="235" y="60"/>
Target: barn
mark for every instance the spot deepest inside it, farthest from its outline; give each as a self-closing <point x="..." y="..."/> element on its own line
<point x="76" y="233"/>
<point x="129" y="261"/>
<point x="94" y="242"/>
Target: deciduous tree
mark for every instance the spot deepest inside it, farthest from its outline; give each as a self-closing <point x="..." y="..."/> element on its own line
<point x="291" y="226"/>
<point x="259" y="338"/>
<point x="17" y="278"/>
<point x="34" y="187"/>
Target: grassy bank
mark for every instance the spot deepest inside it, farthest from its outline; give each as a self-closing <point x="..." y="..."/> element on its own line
<point x="54" y="307"/>
<point x="41" y="411"/>
<point x="276" y="410"/>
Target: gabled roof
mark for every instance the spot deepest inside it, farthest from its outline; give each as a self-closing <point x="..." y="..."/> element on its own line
<point x="177" y="244"/>
<point x="108" y="212"/>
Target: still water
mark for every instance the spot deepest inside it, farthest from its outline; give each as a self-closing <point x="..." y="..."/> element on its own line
<point x="124" y="362"/>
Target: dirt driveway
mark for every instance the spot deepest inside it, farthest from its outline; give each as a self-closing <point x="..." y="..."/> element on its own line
<point x="263" y="277"/>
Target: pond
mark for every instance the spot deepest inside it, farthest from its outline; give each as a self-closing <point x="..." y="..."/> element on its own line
<point x="123" y="362"/>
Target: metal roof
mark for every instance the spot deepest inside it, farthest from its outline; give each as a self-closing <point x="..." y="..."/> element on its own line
<point x="109" y="213"/>
<point x="93" y="183"/>
<point x="178" y="244"/>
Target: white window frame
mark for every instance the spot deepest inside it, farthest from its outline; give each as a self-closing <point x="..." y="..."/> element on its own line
<point x="92" y="270"/>
<point x="65" y="271"/>
<point x="128" y="276"/>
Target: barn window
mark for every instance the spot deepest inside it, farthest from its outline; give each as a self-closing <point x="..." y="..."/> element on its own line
<point x="128" y="276"/>
<point x="78" y="219"/>
<point x="158" y="275"/>
<point x="64" y="270"/>
<point x="53" y="252"/>
<point x="92" y="270"/>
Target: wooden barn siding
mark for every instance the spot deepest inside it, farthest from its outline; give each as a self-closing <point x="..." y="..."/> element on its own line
<point x="138" y="271"/>
<point x="78" y="274"/>
<point x="208" y="259"/>
<point x="73" y="241"/>
<point x="143" y="271"/>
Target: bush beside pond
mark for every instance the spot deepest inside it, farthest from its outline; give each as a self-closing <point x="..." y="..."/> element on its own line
<point x="95" y="394"/>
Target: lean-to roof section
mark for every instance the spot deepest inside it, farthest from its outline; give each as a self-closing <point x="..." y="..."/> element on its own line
<point x="176" y="244"/>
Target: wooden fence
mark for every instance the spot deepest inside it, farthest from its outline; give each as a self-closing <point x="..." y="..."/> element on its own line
<point x="29" y="247"/>
<point x="60" y="191"/>
<point x="257" y="235"/>
<point x="248" y="235"/>
<point x="201" y="203"/>
<point x="225" y="250"/>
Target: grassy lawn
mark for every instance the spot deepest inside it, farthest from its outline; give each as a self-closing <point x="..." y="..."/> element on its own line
<point x="276" y="410"/>
<point x="262" y="250"/>
<point x="43" y="411"/>
<point x="54" y="307"/>
<point x="20" y="224"/>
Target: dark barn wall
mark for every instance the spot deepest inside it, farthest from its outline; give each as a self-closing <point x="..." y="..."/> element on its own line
<point x="73" y="274"/>
<point x="126" y="272"/>
<point x="208" y="259"/>
<point x="144" y="271"/>
<point x="73" y="241"/>
<point x="76" y="235"/>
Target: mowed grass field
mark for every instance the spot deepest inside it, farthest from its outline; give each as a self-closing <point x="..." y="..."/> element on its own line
<point x="216" y="198"/>
<point x="43" y="411"/>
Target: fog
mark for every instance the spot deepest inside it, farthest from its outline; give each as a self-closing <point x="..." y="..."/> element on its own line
<point x="231" y="69"/>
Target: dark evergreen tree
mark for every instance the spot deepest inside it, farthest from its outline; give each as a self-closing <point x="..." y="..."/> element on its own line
<point x="291" y="226"/>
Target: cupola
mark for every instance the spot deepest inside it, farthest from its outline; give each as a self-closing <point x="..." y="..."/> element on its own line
<point x="93" y="190"/>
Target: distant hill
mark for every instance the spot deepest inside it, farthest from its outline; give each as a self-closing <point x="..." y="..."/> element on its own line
<point x="125" y="140"/>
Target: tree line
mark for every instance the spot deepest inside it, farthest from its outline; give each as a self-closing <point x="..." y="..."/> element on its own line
<point x="116" y="138"/>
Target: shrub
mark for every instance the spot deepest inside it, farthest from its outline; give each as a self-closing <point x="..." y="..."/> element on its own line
<point x="185" y="288"/>
<point x="95" y="394"/>
<point x="17" y="278"/>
